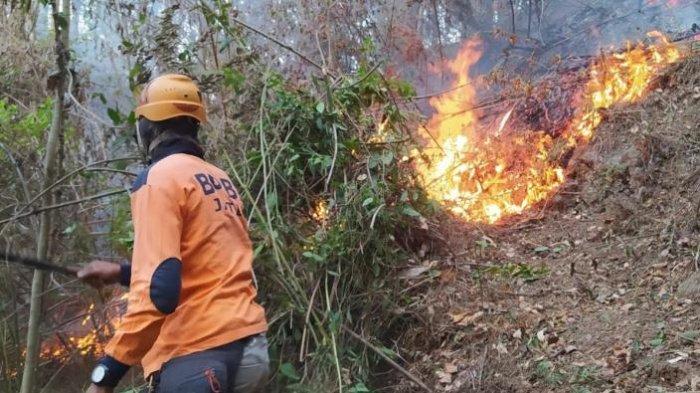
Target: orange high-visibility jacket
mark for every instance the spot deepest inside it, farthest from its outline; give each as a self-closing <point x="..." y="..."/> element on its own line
<point x="191" y="285"/>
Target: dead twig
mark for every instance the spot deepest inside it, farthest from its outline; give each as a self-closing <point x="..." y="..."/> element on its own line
<point x="63" y="204"/>
<point x="367" y="75"/>
<point x="304" y="342"/>
<point x="438" y="93"/>
<point x="120" y="171"/>
<point x="439" y="30"/>
<point x="512" y="15"/>
<point x="20" y="177"/>
<point x="69" y="175"/>
<point x="391" y="362"/>
<point x="94" y="116"/>
<point x="280" y="43"/>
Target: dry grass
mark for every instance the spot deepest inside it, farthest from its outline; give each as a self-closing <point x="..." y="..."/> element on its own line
<point x="23" y="81"/>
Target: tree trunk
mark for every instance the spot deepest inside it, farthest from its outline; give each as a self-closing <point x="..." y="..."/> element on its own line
<point x="465" y="14"/>
<point x="60" y="23"/>
<point x="529" y="17"/>
<point x="512" y="16"/>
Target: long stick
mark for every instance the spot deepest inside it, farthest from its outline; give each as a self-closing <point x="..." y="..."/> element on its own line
<point x="391" y="362"/>
<point x="278" y="42"/>
<point x="37" y="264"/>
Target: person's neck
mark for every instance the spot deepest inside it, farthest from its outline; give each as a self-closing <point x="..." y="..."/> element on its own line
<point x="174" y="144"/>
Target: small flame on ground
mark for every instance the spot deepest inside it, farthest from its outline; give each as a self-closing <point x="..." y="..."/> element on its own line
<point x="483" y="177"/>
<point x="88" y="339"/>
<point x="320" y="211"/>
<point x="381" y="135"/>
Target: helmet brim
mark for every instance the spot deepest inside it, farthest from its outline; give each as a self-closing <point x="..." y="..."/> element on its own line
<point x="164" y="110"/>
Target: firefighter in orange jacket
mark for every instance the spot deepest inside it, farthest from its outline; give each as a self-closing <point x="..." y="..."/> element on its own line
<point x="192" y="320"/>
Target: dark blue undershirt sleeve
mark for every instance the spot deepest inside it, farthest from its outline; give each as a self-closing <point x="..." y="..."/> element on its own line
<point x="115" y="371"/>
<point x="125" y="274"/>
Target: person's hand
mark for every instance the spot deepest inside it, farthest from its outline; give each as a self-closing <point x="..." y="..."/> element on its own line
<point x="100" y="273"/>
<point x="99" y="389"/>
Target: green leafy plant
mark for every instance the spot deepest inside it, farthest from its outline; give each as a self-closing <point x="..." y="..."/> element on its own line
<point x="658" y="340"/>
<point x="545" y="371"/>
<point x="585" y="375"/>
<point x="25" y="128"/>
<point x="121" y="232"/>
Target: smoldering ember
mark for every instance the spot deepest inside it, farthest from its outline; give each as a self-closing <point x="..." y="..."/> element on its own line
<point x="354" y="196"/>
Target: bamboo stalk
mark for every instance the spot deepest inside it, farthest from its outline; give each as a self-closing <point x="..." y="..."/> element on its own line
<point x="50" y="169"/>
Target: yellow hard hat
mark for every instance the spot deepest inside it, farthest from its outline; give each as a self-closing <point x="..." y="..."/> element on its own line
<point x="169" y="96"/>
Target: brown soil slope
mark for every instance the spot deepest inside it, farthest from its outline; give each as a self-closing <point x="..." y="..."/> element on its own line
<point x="598" y="292"/>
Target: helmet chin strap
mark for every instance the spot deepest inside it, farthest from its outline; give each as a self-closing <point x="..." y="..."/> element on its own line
<point x="141" y="144"/>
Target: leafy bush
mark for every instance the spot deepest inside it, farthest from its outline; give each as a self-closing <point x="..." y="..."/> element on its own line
<point x="24" y="129"/>
<point x="334" y="210"/>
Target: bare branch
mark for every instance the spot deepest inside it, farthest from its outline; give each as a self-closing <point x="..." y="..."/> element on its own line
<point x="280" y="43"/>
<point x="63" y="204"/>
<point x="71" y="174"/>
<point x="103" y="169"/>
<point x="391" y="362"/>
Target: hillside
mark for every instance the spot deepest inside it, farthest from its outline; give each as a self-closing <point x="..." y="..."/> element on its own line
<point x="596" y="293"/>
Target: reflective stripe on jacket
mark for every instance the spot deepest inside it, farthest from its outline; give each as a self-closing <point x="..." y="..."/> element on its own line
<point x="191" y="283"/>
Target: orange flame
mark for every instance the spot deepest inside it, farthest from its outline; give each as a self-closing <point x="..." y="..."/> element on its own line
<point x="485" y="176"/>
<point x="85" y="338"/>
<point x="320" y="211"/>
<point x="620" y="78"/>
